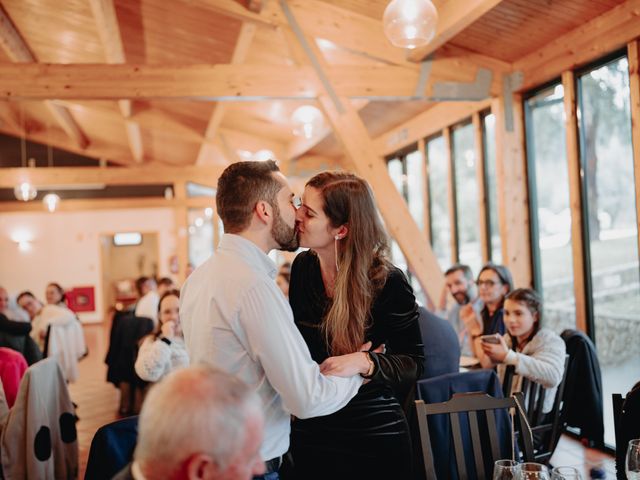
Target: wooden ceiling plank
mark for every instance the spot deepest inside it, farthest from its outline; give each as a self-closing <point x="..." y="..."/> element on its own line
<point x="104" y="12"/>
<point x="453" y="17"/>
<point x="223" y="82"/>
<point x="138" y="175"/>
<point x="603" y="34"/>
<point x="247" y="33"/>
<point x="18" y="50"/>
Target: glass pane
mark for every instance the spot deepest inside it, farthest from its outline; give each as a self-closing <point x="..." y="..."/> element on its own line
<point x="546" y="153"/>
<point x="439" y="201"/>
<point x="395" y="172"/>
<point x="415" y="183"/>
<point x="608" y="159"/>
<point x="489" y="136"/>
<point x="200" y="235"/>
<point x="198" y="190"/>
<point x="467" y="204"/>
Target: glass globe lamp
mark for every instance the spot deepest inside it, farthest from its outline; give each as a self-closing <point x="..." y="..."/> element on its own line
<point x="410" y="23"/>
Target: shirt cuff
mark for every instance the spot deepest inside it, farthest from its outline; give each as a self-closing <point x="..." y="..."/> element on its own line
<point x="511" y="358"/>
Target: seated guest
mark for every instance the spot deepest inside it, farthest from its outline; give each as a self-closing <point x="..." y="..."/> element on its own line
<point x="441" y="347"/>
<point x="494" y="283"/>
<point x="164" y="285"/>
<point x="10" y="309"/>
<point x="161" y="353"/>
<point x="536" y="353"/>
<point x="459" y="283"/>
<point x="15" y="334"/>
<point x="198" y="423"/>
<point x="43" y="315"/>
<point x="54" y="294"/>
<point x="147" y="305"/>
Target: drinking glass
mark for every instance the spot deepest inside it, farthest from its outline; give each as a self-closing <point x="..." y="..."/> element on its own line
<point x="632" y="462"/>
<point x="533" y="471"/>
<point x="565" y="473"/>
<point x="505" y="470"/>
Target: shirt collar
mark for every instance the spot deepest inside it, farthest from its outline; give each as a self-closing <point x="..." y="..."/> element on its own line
<point x="136" y="472"/>
<point x="250" y="251"/>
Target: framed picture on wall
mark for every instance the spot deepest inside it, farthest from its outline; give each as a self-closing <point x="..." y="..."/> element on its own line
<point x="81" y="299"/>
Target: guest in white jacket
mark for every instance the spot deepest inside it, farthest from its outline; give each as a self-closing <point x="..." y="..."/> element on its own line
<point x="536" y="353"/>
<point x="165" y="351"/>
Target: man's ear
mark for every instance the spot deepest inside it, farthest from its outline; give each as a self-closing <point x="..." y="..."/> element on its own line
<point x="201" y="466"/>
<point x="264" y="211"/>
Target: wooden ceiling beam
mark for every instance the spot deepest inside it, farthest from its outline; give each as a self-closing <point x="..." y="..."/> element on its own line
<point x="225" y="82"/>
<point x="84" y="204"/>
<point x="104" y="13"/>
<point x="136" y="175"/>
<point x="606" y="33"/>
<point x="18" y="50"/>
<point x="245" y="37"/>
<point x="453" y="17"/>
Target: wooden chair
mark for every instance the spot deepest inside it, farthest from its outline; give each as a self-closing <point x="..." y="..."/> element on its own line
<point x="547" y="427"/>
<point x="470" y="405"/>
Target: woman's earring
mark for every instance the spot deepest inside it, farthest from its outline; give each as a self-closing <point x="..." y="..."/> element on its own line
<point x="337" y="237"/>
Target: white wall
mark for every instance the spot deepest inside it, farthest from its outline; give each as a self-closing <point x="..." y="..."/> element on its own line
<point x="65" y="248"/>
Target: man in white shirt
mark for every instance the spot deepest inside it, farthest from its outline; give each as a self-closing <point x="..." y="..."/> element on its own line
<point x="236" y="318"/>
<point x="460" y="284"/>
<point x="147" y="306"/>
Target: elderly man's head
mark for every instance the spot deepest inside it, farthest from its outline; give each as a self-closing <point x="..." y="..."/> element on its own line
<point x="200" y="423"/>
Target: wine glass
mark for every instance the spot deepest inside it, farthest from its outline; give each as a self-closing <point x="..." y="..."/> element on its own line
<point x="632" y="462"/>
<point x="505" y="470"/>
<point x="533" y="471"/>
<point x="565" y="473"/>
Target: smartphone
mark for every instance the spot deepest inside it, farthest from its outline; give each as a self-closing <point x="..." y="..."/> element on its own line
<point x="490" y="339"/>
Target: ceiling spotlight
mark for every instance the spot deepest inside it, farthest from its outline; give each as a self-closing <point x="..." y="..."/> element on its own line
<point x="307" y="121"/>
<point x="51" y="201"/>
<point x="25" y="191"/>
<point x="410" y="23"/>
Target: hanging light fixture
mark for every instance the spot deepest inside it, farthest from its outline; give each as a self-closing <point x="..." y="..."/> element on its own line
<point x="410" y="23"/>
<point x="51" y="201"/>
<point x="25" y="191"/>
<point x="307" y="120"/>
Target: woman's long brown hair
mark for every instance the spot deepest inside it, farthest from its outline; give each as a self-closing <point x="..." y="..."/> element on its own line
<point x="362" y="258"/>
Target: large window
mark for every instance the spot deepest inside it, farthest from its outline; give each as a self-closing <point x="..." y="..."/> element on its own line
<point x="438" y="169"/>
<point x="607" y="160"/>
<point x="467" y="198"/>
<point x="550" y="213"/>
<point x="489" y="145"/>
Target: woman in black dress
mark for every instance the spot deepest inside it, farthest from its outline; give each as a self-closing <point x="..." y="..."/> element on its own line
<point x="344" y="294"/>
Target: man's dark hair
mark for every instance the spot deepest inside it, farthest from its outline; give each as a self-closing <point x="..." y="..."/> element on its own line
<point x="26" y="293"/>
<point x="140" y="283"/>
<point x="460" y="267"/>
<point x="240" y="187"/>
<point x="165" y="281"/>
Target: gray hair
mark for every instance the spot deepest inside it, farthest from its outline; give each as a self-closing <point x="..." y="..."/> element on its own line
<point x="194" y="410"/>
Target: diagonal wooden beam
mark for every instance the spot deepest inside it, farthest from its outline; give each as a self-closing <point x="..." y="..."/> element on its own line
<point x="453" y="17"/>
<point x="18" y="50"/>
<point x="104" y="13"/>
<point x="247" y="32"/>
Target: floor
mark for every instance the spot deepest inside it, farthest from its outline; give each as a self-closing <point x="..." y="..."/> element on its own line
<point x="98" y="402"/>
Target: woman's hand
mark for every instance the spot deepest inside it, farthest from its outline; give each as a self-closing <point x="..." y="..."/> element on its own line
<point x="497" y="352"/>
<point x="472" y="321"/>
<point x="347" y="365"/>
<point x="169" y="329"/>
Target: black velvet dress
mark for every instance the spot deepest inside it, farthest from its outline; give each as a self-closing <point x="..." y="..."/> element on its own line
<point x="369" y="438"/>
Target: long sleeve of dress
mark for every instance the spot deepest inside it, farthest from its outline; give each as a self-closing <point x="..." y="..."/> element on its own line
<point x="397" y="327"/>
<point x="154" y="360"/>
<point x="543" y="362"/>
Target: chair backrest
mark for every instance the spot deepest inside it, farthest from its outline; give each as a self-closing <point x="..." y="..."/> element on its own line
<point x="546" y="428"/>
<point x="470" y="405"/>
<point x="626" y="422"/>
<point x="112" y="448"/>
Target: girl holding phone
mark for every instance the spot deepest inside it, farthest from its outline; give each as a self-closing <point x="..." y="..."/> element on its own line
<point x="536" y="353"/>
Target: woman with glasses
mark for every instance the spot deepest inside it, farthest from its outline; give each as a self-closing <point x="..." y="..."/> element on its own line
<point x="494" y="283"/>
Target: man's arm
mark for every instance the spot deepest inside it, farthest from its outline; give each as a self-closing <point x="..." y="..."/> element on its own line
<point x="277" y="344"/>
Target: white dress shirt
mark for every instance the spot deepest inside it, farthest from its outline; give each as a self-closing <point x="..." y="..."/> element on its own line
<point x="235" y="318"/>
<point x="147" y="307"/>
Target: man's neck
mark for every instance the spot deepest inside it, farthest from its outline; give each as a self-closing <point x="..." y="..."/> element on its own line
<point x="258" y="239"/>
